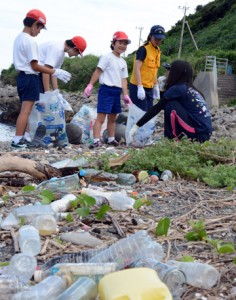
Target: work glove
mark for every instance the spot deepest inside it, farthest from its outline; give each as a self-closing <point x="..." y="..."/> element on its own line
<point x="141" y="92"/>
<point x="133" y="132"/>
<point x="156" y="91"/>
<point x="88" y="90"/>
<point x="62" y="75"/>
<point x="127" y="100"/>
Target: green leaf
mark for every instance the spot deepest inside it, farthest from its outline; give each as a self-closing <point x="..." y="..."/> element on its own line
<point x="47" y="197"/>
<point x="140" y="202"/>
<point x="22" y="221"/>
<point x="102" y="211"/>
<point x="225" y="248"/>
<point x="187" y="258"/>
<point x="85" y="200"/>
<point x="74" y="204"/>
<point x="28" y="188"/>
<point x="69" y="218"/>
<point x="162" y="227"/>
<point x="83" y="211"/>
<point x="4" y="263"/>
<point x="5" y="198"/>
<point x="234" y="260"/>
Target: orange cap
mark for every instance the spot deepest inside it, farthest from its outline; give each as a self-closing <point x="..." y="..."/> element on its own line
<point x="79" y="43"/>
<point x="120" y="35"/>
<point x="37" y="15"/>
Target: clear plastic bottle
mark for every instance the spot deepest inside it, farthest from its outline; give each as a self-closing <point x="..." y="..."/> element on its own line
<point x="166" y="175"/>
<point x="120" y="201"/>
<point x="46" y="224"/>
<point x="21" y="265"/>
<point x="94" y="270"/>
<point x="84" y="288"/>
<point x="130" y="249"/>
<point x="48" y="289"/>
<point x="30" y="212"/>
<point x="126" y="179"/>
<point x="9" y="285"/>
<point x="174" y="279"/>
<point x="29" y="240"/>
<point x="63" y="184"/>
<point x="197" y="274"/>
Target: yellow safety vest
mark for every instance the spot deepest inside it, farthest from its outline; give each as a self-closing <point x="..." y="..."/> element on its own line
<point x="149" y="67"/>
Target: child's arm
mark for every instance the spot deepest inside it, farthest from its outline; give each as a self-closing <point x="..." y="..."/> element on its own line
<point x="93" y="80"/>
<point x="126" y="97"/>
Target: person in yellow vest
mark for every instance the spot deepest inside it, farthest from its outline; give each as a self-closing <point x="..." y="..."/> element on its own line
<point x="143" y="87"/>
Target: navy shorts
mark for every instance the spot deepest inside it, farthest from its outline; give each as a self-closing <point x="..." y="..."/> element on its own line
<point x="28" y="87"/>
<point x="109" y="99"/>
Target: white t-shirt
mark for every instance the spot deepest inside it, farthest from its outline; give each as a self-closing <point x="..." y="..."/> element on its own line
<point x="25" y="49"/>
<point x="114" y="70"/>
<point x="52" y="54"/>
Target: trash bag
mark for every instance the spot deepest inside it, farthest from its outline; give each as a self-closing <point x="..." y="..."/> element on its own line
<point x="85" y="119"/>
<point x="48" y="111"/>
<point x="144" y="132"/>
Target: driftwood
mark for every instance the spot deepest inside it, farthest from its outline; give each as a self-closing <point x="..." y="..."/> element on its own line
<point x="39" y="171"/>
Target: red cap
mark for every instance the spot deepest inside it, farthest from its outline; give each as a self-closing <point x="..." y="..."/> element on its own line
<point x="120" y="35"/>
<point x="79" y="43"/>
<point x="37" y="15"/>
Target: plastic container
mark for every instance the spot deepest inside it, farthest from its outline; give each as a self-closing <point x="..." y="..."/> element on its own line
<point x="94" y="270"/>
<point x="29" y="240"/>
<point x="133" y="284"/>
<point x="30" y="212"/>
<point x="130" y="249"/>
<point x="83" y="289"/>
<point x="126" y="179"/>
<point x="166" y="175"/>
<point x="120" y="201"/>
<point x="68" y="162"/>
<point x="46" y="224"/>
<point x="63" y="184"/>
<point x="197" y="274"/>
<point x="9" y="285"/>
<point x="48" y="289"/>
<point x="63" y="204"/>
<point x="174" y="279"/>
<point x="21" y="265"/>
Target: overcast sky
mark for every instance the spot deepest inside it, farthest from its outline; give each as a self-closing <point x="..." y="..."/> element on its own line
<point x="95" y="20"/>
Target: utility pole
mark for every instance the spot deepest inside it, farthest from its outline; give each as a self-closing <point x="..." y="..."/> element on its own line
<point x="195" y="44"/>
<point x="182" y="31"/>
<point x="140" y="28"/>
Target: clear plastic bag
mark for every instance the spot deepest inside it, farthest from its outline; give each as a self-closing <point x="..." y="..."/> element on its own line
<point x="48" y="111"/>
<point x="144" y="132"/>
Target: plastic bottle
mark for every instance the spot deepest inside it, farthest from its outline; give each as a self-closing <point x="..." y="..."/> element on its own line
<point x="63" y="184"/>
<point x="166" y="175"/>
<point x="29" y="240"/>
<point x="30" y="212"/>
<point x="126" y="179"/>
<point x="21" y="265"/>
<point x="68" y="162"/>
<point x="120" y="201"/>
<point x="98" y="175"/>
<point x="171" y="276"/>
<point x="94" y="270"/>
<point x="9" y="285"/>
<point x="197" y="274"/>
<point x="133" y="284"/>
<point x="130" y="249"/>
<point x="83" y="289"/>
<point x="63" y="204"/>
<point x="48" y="289"/>
<point x="46" y="224"/>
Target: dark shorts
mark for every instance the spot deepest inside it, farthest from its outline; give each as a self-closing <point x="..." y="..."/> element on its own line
<point x="28" y="87"/>
<point x="109" y="100"/>
<point x="144" y="104"/>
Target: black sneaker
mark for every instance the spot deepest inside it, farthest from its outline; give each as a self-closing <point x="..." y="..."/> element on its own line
<point x="113" y="143"/>
<point x="21" y="144"/>
<point x="97" y="144"/>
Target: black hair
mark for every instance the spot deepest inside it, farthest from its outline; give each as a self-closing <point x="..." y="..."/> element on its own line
<point x="30" y="21"/>
<point x="180" y="72"/>
<point x="69" y="43"/>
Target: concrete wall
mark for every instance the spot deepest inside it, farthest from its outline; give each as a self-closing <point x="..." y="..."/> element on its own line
<point x="204" y="82"/>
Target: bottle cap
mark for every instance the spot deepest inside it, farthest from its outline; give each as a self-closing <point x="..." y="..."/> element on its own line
<point x="38" y="275"/>
<point x="82" y="173"/>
